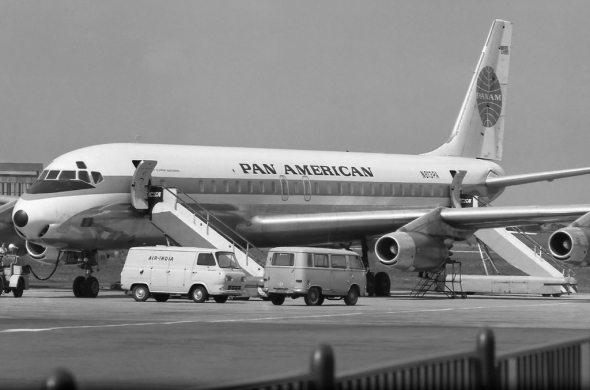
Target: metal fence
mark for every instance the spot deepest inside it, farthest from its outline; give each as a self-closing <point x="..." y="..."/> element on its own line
<point x="562" y="365"/>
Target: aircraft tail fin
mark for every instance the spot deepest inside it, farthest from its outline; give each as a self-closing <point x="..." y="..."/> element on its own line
<point x="479" y="129"/>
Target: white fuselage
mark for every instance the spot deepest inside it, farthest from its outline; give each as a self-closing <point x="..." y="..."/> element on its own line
<point x="235" y="184"/>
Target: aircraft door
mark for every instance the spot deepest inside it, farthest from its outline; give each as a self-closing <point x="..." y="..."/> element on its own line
<point x="306" y="188"/>
<point x="284" y="188"/>
<point x="140" y="183"/>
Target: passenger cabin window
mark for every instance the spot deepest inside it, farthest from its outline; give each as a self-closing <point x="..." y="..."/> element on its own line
<point x="97" y="177"/>
<point x="206" y="259"/>
<point x="339" y="261"/>
<point x="355" y="262"/>
<point x="283" y="259"/>
<point x="321" y="261"/>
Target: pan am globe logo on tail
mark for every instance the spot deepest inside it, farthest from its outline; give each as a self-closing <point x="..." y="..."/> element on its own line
<point x="489" y="96"/>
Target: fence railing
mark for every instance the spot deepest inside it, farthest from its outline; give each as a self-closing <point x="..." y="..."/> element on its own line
<point x="561" y="365"/>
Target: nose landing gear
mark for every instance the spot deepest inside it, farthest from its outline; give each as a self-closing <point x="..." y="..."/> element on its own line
<point x="86" y="286"/>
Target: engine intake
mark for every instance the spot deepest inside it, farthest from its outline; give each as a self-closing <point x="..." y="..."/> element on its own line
<point x="411" y="251"/>
<point x="570" y="246"/>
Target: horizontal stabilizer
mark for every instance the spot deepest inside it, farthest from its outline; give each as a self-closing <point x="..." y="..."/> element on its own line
<point x="513" y="180"/>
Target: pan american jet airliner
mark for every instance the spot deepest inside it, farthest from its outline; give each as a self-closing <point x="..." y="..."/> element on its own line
<point x="407" y="207"/>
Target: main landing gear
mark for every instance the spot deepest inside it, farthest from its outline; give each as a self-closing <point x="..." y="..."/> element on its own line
<point x="86" y="286"/>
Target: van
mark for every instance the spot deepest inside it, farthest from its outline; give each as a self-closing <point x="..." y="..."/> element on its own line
<point x="200" y="273"/>
<point x="314" y="274"/>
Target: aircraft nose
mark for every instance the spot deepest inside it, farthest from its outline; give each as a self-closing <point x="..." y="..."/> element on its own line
<point x="20" y="218"/>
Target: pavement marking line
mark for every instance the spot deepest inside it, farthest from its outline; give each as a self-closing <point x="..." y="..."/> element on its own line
<point x="21" y="330"/>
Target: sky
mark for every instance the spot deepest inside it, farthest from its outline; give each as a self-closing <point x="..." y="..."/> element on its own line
<point x="370" y="76"/>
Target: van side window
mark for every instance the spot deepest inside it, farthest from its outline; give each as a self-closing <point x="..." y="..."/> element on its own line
<point x="338" y="261"/>
<point x="283" y="259"/>
<point x="355" y="262"/>
<point x="206" y="259"/>
<point x="309" y="260"/>
<point x="321" y="261"/>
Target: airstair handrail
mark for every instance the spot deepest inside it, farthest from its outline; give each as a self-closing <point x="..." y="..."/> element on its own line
<point x="536" y="246"/>
<point x="249" y="245"/>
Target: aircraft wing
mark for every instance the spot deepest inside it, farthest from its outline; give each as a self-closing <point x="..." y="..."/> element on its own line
<point x="330" y="227"/>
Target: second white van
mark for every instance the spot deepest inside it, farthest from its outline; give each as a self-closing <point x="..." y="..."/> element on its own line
<point x="200" y="273"/>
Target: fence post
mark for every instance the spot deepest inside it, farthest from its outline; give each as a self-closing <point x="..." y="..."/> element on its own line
<point x="322" y="368"/>
<point x="486" y="355"/>
<point x="60" y="379"/>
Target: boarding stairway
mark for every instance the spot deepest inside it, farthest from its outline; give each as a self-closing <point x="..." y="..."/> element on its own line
<point x="182" y="224"/>
<point x="532" y="259"/>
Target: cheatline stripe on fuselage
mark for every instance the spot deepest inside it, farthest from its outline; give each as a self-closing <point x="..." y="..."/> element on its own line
<point x="269" y="187"/>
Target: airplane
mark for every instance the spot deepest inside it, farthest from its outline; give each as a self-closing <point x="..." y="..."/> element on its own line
<point x="408" y="207"/>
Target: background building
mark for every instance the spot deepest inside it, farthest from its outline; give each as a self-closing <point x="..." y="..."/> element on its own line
<point x="16" y="178"/>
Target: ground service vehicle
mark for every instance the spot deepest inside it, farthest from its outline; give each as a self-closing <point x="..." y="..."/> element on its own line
<point x="314" y="274"/>
<point x="200" y="273"/>
<point x="13" y="277"/>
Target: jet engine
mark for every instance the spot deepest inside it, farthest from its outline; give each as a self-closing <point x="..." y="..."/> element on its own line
<point x="570" y="245"/>
<point x="411" y="251"/>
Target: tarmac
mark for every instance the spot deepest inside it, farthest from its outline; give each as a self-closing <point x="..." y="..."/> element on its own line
<point x="114" y="342"/>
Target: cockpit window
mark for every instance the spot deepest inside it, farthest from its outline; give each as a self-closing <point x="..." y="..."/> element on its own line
<point x="97" y="177"/>
<point x="67" y="175"/>
<point x="43" y="175"/>
<point x="52" y="175"/>
<point x="84" y="176"/>
<point x="81" y="164"/>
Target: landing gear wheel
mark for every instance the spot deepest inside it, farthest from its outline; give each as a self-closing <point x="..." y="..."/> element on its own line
<point x="90" y="287"/>
<point x="352" y="297"/>
<point x="220" y="298"/>
<point x="382" y="284"/>
<point x="370" y="284"/>
<point x="556" y="295"/>
<point x="199" y="294"/>
<point x="277" y="299"/>
<point x="20" y="287"/>
<point x="141" y="293"/>
<point x="161" y="297"/>
<point x="314" y="297"/>
<point x="78" y="286"/>
<point x="546" y="295"/>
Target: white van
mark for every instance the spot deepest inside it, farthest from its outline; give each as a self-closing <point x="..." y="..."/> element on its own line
<point x="315" y="274"/>
<point x="160" y="271"/>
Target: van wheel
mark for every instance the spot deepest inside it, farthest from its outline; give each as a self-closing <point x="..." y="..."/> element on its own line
<point x="141" y="293"/>
<point x="199" y="294"/>
<point x="161" y="297"/>
<point x="220" y="298"/>
<point x="352" y="297"/>
<point x="314" y="297"/>
<point x="277" y="299"/>
<point x="20" y="287"/>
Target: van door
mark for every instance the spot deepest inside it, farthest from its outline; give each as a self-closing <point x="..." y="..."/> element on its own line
<point x="281" y="272"/>
<point x="160" y="263"/>
<point x="357" y="272"/>
<point x="340" y="275"/>
<point x="204" y="268"/>
<point x="177" y="270"/>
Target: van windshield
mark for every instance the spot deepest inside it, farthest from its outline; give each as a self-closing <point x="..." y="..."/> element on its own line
<point x="227" y="260"/>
